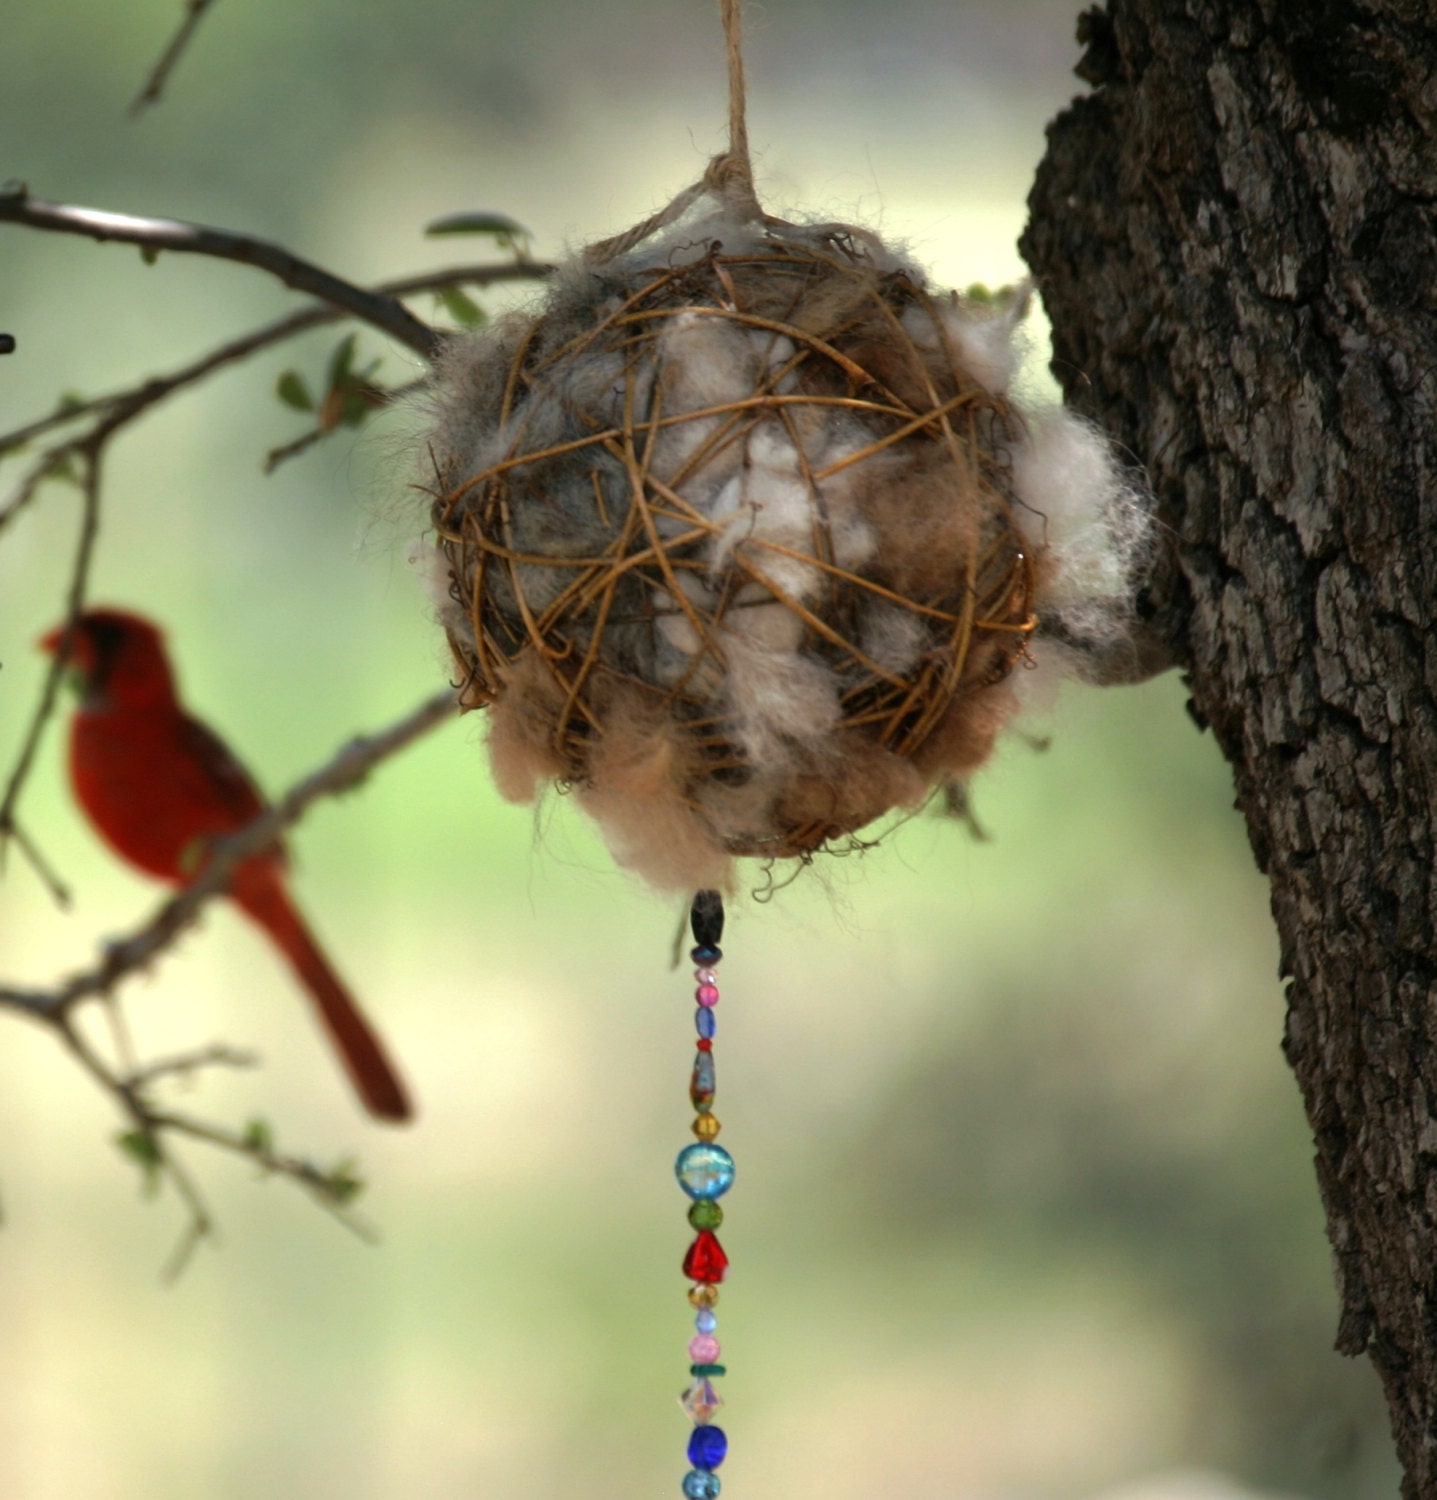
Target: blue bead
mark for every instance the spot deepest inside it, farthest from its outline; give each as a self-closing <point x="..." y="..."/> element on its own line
<point x="707" y="1446"/>
<point x="705" y="1322"/>
<point x="699" y="1485"/>
<point x="706" y="954"/>
<point x="705" y="1022"/>
<point x="704" y="1170"/>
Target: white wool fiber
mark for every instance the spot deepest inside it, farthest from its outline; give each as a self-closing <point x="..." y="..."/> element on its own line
<point x="1090" y="522"/>
<point x="742" y="531"/>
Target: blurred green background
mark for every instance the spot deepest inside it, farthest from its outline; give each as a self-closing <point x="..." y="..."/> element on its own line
<point x="1026" y="1206"/>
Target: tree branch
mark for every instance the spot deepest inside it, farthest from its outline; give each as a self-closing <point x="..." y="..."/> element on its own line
<point x="386" y="313"/>
<point x="345" y="771"/>
<point x="148" y="1143"/>
<point x="160" y="73"/>
<point x="135" y="400"/>
<point x="91" y="453"/>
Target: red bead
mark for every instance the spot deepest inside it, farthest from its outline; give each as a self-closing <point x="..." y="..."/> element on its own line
<point x="704" y="1044"/>
<point x="706" y="1260"/>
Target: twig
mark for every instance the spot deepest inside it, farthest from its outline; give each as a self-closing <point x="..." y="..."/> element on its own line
<point x="218" y="1055"/>
<point x="334" y="1188"/>
<point x="346" y="770"/>
<point x="91" y="454"/>
<point x="386" y="313"/>
<point x="160" y="73"/>
<point x="41" y="866"/>
<point x="139" y="398"/>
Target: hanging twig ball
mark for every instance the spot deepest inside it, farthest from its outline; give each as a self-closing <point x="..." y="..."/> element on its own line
<point x="742" y="536"/>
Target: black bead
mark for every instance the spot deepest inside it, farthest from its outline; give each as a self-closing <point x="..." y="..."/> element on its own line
<point x="706" y="919"/>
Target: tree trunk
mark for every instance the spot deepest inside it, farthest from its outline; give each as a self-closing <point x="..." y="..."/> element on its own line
<point x="1234" y="237"/>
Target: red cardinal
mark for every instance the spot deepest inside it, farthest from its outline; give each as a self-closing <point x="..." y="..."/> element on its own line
<point x="158" y="785"/>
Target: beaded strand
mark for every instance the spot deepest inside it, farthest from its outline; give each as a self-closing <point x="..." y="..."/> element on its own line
<point x="705" y="1172"/>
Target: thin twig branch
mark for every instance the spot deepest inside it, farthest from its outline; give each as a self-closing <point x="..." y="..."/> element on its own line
<point x="139" y="398"/>
<point x="387" y="314"/>
<point x="160" y="73"/>
<point x="333" y="1188"/>
<point x="91" y="453"/>
<point x="346" y="770"/>
<point x="218" y="1055"/>
<point x="120" y="408"/>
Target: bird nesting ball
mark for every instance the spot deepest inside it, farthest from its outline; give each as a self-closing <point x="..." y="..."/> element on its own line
<point x="741" y="534"/>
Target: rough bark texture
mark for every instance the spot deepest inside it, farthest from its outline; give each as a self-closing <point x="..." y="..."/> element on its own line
<point x="1236" y="238"/>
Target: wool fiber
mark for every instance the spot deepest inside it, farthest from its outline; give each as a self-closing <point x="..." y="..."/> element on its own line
<point x="740" y="534"/>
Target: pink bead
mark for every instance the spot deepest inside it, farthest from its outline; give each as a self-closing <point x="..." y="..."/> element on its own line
<point x="706" y="976"/>
<point x="703" y="1348"/>
<point x="707" y="994"/>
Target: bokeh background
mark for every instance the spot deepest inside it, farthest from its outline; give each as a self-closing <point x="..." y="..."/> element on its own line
<point x="1026" y="1207"/>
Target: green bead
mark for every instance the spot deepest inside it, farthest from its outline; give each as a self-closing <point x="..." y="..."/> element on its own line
<point x="706" y="1214"/>
<point x="709" y="1370"/>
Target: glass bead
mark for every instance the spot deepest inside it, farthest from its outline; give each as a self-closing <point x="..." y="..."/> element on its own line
<point x="697" y="1370"/>
<point x="706" y="916"/>
<point x="706" y="1214"/>
<point x="705" y="1296"/>
<point x="704" y="1348"/>
<point x="707" y="995"/>
<point x="704" y="1044"/>
<point x="707" y="1446"/>
<point x="704" y="1170"/>
<point x="706" y="955"/>
<point x="706" y="1322"/>
<point x="699" y="1484"/>
<point x="703" y="1081"/>
<point x="705" y="1022"/>
<point x="706" y="1126"/>
<point x="705" y="1259"/>
<point x="701" y="1400"/>
<point x="706" y="976"/>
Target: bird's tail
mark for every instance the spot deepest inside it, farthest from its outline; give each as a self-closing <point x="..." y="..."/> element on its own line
<point x="259" y="892"/>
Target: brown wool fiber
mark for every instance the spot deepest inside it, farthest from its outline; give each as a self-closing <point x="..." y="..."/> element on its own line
<point x="731" y="541"/>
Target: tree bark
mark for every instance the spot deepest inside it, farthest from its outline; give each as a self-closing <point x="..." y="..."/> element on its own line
<point x="1235" y="234"/>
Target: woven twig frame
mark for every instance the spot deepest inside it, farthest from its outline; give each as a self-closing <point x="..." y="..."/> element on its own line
<point x="870" y="368"/>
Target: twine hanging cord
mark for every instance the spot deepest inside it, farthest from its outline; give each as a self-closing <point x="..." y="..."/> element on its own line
<point x="728" y="176"/>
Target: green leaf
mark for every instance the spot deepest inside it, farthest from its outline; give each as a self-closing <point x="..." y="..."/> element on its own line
<point x="340" y="361"/>
<point x="142" y="1149"/>
<point x="258" y="1137"/>
<point x="149" y="254"/>
<point x="344" y="1182"/>
<point x="62" y="466"/>
<point x="501" y="226"/>
<point x="354" y="408"/>
<point x="292" y="390"/>
<point x="460" y="306"/>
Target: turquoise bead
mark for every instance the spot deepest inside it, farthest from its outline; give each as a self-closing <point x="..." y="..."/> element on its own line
<point x="704" y="1170"/>
<point x="699" y="1484"/>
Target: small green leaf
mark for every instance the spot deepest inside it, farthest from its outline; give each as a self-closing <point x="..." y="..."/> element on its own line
<point x="979" y="293"/>
<point x="501" y="226"/>
<point x="340" y="361"/>
<point x="62" y="466"/>
<point x="258" y="1137"/>
<point x="292" y="390"/>
<point x="354" y="408"/>
<point x="69" y="401"/>
<point x="460" y="306"/>
<point x="344" y="1182"/>
<point x="142" y="1149"/>
<point x="149" y="254"/>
